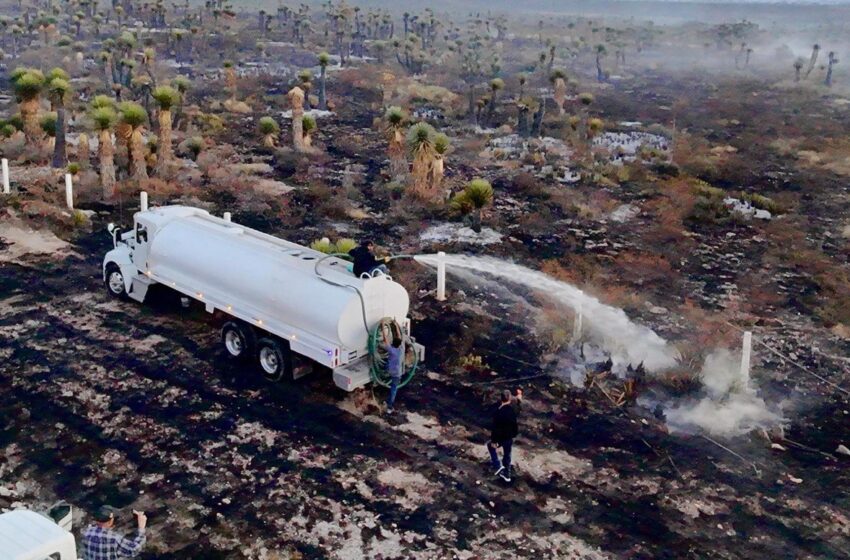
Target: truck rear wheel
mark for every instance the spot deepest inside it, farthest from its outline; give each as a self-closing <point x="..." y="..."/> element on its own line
<point x="274" y="358"/>
<point x="238" y="340"/>
<point x="115" y="282"/>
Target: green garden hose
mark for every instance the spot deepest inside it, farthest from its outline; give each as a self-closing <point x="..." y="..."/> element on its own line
<point x="377" y="355"/>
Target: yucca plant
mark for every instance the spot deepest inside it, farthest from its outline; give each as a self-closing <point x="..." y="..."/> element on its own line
<point x="269" y="129"/>
<point x="324" y="60"/>
<point x="323" y="245"/>
<point x="441" y="148"/>
<point x="345" y="245"/>
<point x="420" y="142"/>
<point x="477" y="194"/>
<point x="58" y="88"/>
<point x="28" y="84"/>
<point x="308" y="123"/>
<point x="166" y="98"/>
<point x="134" y="116"/>
<point x="395" y="118"/>
<point x="195" y="145"/>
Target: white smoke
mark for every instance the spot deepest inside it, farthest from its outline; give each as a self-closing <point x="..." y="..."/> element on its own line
<point x="730" y="406"/>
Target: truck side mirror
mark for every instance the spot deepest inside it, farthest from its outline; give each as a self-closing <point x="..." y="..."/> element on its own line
<point x="110" y="228"/>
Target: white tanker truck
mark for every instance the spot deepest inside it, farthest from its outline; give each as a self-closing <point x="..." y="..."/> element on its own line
<point x="280" y="301"/>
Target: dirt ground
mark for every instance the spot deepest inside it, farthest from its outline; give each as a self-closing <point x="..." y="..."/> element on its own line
<point x="103" y="400"/>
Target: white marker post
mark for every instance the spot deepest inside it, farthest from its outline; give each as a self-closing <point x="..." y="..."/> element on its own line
<point x="69" y="191"/>
<point x="746" y="351"/>
<point x="6" y="187"/>
<point x="228" y="217"/>
<point x="441" y="276"/>
<point x="143" y="201"/>
<point x="577" y="324"/>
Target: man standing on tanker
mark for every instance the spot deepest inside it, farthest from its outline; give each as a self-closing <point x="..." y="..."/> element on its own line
<point x="365" y="260"/>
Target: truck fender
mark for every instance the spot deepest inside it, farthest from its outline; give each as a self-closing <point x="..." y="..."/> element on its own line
<point x="121" y="257"/>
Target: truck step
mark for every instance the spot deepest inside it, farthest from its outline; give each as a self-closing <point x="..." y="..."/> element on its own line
<point x="352" y="376"/>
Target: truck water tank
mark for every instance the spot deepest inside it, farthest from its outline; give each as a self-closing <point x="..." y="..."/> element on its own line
<point x="267" y="276"/>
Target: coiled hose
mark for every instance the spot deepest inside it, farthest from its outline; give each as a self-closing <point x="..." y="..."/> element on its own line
<point x="378" y="356"/>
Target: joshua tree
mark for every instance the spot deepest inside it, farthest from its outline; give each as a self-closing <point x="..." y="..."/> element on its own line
<point x="600" y="54"/>
<point x="103" y="118"/>
<point x="831" y="61"/>
<point x="441" y="148"/>
<point x="557" y="78"/>
<point x="182" y="84"/>
<point x="134" y="116"/>
<point x="496" y="85"/>
<point x="477" y="194"/>
<point x="324" y="60"/>
<point x="269" y="129"/>
<point x="396" y="118"/>
<point x="296" y="101"/>
<point x="308" y="123"/>
<point x="798" y="66"/>
<point x="522" y="79"/>
<point x="305" y="79"/>
<point x="48" y="126"/>
<point x="166" y="98"/>
<point x="420" y="142"/>
<point x="230" y="78"/>
<point x="59" y="89"/>
<point x="813" y="59"/>
<point x="28" y="84"/>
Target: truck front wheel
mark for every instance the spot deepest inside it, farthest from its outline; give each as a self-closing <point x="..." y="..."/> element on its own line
<point x="115" y="282"/>
<point x="238" y="340"/>
<point x="274" y="359"/>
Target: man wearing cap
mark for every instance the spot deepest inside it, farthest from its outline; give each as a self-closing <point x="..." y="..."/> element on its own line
<point x="100" y="542"/>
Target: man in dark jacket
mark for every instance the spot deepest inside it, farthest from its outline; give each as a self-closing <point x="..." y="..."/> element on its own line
<point x="503" y="432"/>
<point x="365" y="261"/>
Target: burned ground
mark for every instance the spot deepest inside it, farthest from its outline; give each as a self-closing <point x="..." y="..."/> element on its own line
<point x="137" y="406"/>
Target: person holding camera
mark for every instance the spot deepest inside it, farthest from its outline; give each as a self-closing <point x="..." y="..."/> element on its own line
<point x="101" y="542"/>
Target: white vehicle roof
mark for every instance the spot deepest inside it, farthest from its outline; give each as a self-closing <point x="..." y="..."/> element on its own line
<point x="27" y="535"/>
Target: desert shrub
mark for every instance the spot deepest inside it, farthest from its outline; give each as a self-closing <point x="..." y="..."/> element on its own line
<point x="323" y="245"/>
<point x="763" y="203"/>
<point x="708" y="211"/>
<point x="195" y="144"/>
<point x="79" y="219"/>
<point x="703" y="189"/>
<point x="73" y="168"/>
<point x="345" y="245"/>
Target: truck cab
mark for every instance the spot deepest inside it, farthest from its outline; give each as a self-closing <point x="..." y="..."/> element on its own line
<point x="27" y="535"/>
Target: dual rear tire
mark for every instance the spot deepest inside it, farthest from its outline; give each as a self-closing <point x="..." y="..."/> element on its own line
<point x="272" y="355"/>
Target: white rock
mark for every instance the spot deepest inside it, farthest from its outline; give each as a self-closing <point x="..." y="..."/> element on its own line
<point x="842" y="450"/>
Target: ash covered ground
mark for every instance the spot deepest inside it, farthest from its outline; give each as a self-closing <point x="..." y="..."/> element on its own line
<point x="692" y="174"/>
